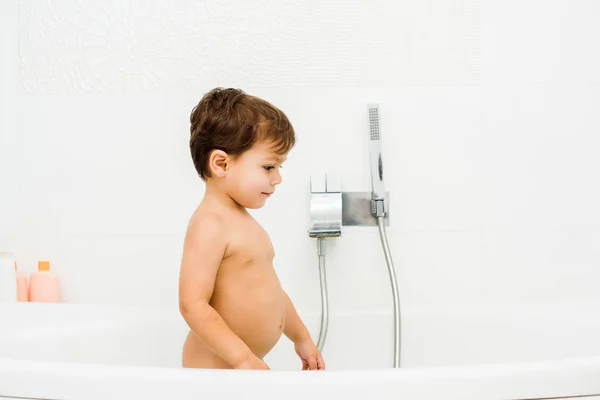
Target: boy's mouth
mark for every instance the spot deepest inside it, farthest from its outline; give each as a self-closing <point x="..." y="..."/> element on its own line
<point x="267" y="194"/>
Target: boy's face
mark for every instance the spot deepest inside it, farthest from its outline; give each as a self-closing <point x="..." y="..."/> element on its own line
<point x="252" y="177"/>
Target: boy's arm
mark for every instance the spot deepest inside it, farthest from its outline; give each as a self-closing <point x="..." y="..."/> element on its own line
<point x="296" y="331"/>
<point x="203" y="251"/>
<point x="294" y="328"/>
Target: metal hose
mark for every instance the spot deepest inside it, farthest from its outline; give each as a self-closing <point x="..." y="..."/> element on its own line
<point x="391" y="270"/>
<point x="324" y="300"/>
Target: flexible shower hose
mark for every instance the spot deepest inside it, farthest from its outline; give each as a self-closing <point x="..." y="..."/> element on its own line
<point x="321" y="251"/>
<point x="324" y="300"/>
<point x="392" y="272"/>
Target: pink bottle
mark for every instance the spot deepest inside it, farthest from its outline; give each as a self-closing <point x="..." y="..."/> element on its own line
<point x="44" y="285"/>
<point x="22" y="290"/>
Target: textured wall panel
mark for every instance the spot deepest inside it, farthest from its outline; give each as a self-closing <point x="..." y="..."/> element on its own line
<point x="117" y="45"/>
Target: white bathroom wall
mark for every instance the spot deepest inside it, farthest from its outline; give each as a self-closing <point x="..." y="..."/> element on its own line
<point x="9" y="87"/>
<point x="489" y="123"/>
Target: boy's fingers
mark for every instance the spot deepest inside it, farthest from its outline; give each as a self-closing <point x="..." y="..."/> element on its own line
<point x="312" y="363"/>
<point x="321" y="363"/>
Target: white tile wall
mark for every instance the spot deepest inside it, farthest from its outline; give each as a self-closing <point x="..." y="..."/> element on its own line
<point x="489" y="122"/>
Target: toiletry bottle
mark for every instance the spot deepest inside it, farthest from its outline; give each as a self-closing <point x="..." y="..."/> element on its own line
<point x="8" y="279"/>
<point x="22" y="290"/>
<point x="44" y="285"/>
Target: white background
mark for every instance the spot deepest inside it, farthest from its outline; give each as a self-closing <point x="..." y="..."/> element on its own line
<point x="490" y="128"/>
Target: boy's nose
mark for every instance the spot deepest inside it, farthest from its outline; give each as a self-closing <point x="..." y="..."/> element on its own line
<point x="277" y="179"/>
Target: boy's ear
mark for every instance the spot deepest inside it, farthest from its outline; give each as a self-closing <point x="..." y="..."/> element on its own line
<point x="218" y="162"/>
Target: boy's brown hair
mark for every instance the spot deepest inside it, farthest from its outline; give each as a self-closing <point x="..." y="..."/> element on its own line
<point x="232" y="121"/>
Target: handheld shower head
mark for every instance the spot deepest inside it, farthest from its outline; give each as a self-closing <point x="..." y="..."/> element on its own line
<point x="374" y="121"/>
<point x="378" y="190"/>
<point x="379" y="210"/>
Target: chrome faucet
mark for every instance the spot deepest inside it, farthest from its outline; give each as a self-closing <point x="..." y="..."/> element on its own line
<point x="325" y="206"/>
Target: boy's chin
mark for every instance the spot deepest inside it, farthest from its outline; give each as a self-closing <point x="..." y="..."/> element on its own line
<point x="255" y="205"/>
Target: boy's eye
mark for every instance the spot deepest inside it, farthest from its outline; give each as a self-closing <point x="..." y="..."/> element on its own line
<point x="270" y="167"/>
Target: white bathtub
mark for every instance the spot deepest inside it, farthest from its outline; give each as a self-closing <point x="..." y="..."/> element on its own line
<point x="65" y="351"/>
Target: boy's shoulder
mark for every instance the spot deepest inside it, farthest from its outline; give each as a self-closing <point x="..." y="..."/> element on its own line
<point x="205" y="217"/>
<point x="217" y="220"/>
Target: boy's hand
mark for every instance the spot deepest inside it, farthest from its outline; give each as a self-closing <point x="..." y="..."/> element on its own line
<point x="310" y="355"/>
<point x="252" y="363"/>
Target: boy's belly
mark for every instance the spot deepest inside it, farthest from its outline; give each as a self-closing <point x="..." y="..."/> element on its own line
<point x="256" y="315"/>
<point x="257" y="320"/>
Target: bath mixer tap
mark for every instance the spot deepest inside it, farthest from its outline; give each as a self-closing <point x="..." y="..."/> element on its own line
<point x="325" y="206"/>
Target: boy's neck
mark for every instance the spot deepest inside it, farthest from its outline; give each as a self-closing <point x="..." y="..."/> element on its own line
<point x="215" y="196"/>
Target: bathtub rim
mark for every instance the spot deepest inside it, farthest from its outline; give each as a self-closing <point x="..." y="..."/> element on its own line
<point x="540" y="379"/>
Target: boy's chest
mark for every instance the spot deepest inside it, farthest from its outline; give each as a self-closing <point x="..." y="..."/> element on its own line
<point x="248" y="264"/>
<point x="250" y="243"/>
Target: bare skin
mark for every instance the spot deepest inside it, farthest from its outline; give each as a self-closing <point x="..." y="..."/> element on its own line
<point x="247" y="293"/>
<point x="229" y="293"/>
